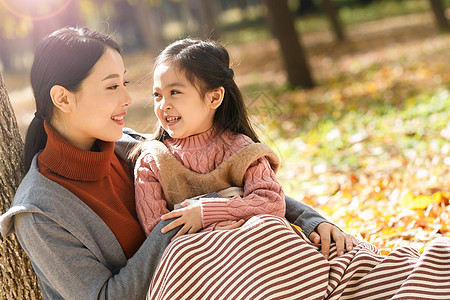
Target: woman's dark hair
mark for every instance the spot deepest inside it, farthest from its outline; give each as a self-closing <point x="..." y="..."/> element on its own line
<point x="65" y="58"/>
<point x="206" y="65"/>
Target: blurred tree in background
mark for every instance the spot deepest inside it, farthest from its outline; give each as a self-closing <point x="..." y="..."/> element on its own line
<point x="439" y="14"/>
<point x="151" y="24"/>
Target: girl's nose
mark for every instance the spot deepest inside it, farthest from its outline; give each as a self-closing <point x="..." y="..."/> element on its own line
<point x="164" y="104"/>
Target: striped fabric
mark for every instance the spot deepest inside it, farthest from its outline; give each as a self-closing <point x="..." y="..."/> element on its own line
<point x="268" y="259"/>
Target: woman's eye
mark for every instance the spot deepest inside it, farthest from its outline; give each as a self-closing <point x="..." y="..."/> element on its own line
<point x="113" y="87"/>
<point x="126" y="83"/>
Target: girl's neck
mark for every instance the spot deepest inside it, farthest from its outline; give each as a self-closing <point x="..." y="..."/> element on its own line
<point x="196" y="141"/>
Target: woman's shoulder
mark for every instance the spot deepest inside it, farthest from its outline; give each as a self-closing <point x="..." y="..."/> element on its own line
<point x="33" y="193"/>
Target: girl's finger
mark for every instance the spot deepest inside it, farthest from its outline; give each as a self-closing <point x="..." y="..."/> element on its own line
<point x="172" y="214"/>
<point x="172" y="225"/>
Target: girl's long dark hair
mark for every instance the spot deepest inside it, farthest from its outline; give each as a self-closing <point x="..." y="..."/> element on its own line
<point x="206" y="65"/>
<point x="63" y="58"/>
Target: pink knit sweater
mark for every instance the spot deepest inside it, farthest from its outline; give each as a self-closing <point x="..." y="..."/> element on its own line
<point x="203" y="153"/>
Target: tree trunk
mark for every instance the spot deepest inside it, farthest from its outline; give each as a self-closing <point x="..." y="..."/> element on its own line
<point x="18" y="280"/>
<point x="208" y="19"/>
<point x="294" y="57"/>
<point x="439" y="15"/>
<point x="5" y="54"/>
<point x="335" y="23"/>
<point x="149" y="25"/>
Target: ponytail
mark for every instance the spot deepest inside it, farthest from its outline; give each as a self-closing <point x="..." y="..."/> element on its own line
<point x="35" y="140"/>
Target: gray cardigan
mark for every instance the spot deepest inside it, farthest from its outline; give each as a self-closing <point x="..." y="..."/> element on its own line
<point x="76" y="256"/>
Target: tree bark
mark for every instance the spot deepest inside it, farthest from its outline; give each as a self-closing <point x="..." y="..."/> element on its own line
<point x="335" y="23"/>
<point x="294" y="57"/>
<point x="208" y="19"/>
<point x="439" y="15"/>
<point x="148" y="20"/>
<point x="18" y="280"/>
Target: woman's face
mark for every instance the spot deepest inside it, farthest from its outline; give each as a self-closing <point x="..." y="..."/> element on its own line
<point x="180" y="108"/>
<point x="100" y="105"/>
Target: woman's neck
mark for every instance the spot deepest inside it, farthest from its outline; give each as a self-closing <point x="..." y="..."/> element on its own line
<point x="75" y="139"/>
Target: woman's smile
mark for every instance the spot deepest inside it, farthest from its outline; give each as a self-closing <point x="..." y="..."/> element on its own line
<point x="118" y="119"/>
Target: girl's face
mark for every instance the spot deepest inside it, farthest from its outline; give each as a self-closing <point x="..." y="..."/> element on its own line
<point x="180" y="108"/>
<point x="97" y="110"/>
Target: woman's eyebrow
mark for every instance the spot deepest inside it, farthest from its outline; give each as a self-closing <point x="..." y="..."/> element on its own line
<point x="112" y="76"/>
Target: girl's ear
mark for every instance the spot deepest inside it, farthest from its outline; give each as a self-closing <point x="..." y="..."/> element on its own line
<point x="62" y="98"/>
<point x="215" y="97"/>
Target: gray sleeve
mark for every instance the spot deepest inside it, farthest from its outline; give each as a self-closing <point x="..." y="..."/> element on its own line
<point x="129" y="139"/>
<point x="303" y="215"/>
<point x="66" y="269"/>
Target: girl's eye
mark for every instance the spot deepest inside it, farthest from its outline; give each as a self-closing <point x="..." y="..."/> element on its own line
<point x="156" y="95"/>
<point x="174" y="92"/>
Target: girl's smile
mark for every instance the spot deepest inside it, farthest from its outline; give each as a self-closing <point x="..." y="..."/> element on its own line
<point x="172" y="120"/>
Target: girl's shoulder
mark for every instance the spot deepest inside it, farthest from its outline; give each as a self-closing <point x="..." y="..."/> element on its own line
<point x="235" y="141"/>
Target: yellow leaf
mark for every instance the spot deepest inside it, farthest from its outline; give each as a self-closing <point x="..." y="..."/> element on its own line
<point x="437" y="197"/>
<point x="419" y="202"/>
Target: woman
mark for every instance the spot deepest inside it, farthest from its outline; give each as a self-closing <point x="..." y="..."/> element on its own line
<point x="74" y="212"/>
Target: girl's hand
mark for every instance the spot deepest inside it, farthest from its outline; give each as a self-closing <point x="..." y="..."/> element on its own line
<point x="228" y="225"/>
<point x="327" y="232"/>
<point x="190" y="217"/>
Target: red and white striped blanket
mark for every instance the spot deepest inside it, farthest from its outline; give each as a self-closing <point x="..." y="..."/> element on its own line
<point x="269" y="259"/>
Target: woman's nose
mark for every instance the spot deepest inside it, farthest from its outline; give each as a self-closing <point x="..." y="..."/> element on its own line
<point x="127" y="98"/>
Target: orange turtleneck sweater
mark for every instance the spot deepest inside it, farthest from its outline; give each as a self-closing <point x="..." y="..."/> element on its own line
<point x="100" y="179"/>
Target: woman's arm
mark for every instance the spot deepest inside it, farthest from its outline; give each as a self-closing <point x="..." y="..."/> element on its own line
<point x="302" y="215"/>
<point x="317" y="228"/>
<point x="67" y="269"/>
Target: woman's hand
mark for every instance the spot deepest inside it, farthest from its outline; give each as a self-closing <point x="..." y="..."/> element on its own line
<point x="228" y="225"/>
<point x="325" y="232"/>
<point x="190" y="217"/>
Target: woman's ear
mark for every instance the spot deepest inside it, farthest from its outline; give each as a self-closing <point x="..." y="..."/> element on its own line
<point x="216" y="97"/>
<point x="61" y="98"/>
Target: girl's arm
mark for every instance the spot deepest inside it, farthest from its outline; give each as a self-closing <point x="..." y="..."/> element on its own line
<point x="150" y="202"/>
<point x="262" y="195"/>
<point x="298" y="213"/>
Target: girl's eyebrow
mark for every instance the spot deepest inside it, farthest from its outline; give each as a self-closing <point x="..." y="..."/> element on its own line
<point x="175" y="84"/>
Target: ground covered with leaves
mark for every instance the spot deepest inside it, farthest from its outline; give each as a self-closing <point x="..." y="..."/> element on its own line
<point x="369" y="147"/>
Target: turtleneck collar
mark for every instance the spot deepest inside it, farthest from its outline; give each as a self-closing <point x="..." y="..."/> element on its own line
<point x="194" y="142"/>
<point x="71" y="162"/>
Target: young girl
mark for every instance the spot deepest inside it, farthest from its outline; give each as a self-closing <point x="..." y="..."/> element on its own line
<point x="204" y="144"/>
